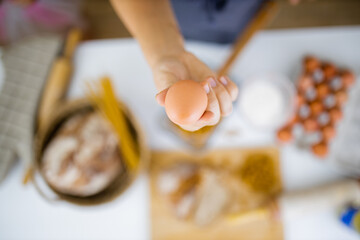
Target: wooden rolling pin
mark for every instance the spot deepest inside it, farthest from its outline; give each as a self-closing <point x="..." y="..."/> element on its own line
<point x="58" y="80"/>
<point x="265" y="14"/>
<point x="56" y="85"/>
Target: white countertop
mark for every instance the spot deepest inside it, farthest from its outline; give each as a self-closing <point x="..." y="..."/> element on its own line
<point x="25" y="215"/>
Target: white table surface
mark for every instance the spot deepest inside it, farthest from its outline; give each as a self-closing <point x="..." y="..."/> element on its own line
<point x="25" y="215"/>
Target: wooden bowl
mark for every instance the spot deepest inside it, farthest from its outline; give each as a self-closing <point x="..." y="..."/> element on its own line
<point x="122" y="181"/>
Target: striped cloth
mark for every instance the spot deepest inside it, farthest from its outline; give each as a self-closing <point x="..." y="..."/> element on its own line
<point x="26" y="64"/>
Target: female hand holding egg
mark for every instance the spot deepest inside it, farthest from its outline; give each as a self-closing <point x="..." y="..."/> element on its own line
<point x="153" y="24"/>
<point x="190" y="91"/>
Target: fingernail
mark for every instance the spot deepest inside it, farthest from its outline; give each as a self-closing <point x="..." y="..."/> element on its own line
<point x="207" y="88"/>
<point x="223" y="80"/>
<point x="212" y="82"/>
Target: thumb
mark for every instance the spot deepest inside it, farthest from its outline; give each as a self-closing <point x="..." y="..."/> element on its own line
<point x="163" y="81"/>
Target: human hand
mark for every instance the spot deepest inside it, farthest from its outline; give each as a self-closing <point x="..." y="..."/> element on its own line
<point x="154" y="26"/>
<point x="221" y="91"/>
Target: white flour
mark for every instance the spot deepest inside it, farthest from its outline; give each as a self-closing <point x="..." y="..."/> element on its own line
<point x="262" y="103"/>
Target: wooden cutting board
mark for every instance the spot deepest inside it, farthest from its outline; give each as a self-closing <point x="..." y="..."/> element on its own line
<point x="256" y="224"/>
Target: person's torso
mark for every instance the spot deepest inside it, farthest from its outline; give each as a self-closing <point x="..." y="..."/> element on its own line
<point x="214" y="20"/>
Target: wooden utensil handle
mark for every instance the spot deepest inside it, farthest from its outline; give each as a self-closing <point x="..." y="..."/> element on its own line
<point x="55" y="88"/>
<point x="263" y="16"/>
<point x="59" y="78"/>
<point x="74" y="37"/>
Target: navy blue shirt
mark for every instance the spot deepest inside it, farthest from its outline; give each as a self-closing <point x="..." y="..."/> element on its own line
<point x="218" y="21"/>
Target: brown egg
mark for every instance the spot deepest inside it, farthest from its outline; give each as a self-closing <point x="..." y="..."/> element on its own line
<point x="341" y="97"/>
<point x="316" y="107"/>
<point x="335" y="114"/>
<point x="293" y="120"/>
<point x="305" y="83"/>
<point x="311" y="63"/>
<point x="348" y="78"/>
<point x="328" y="132"/>
<point x="329" y="70"/>
<point x="285" y="134"/>
<point x="311" y="125"/>
<point x="300" y="100"/>
<point x="322" y="90"/>
<point x="185" y="102"/>
<point x="320" y="149"/>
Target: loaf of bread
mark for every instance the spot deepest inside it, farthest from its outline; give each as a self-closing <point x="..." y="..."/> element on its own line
<point x="83" y="157"/>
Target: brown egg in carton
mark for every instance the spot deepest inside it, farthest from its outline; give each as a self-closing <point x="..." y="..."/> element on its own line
<point x="322" y="91"/>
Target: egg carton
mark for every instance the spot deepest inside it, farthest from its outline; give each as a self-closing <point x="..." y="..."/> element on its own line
<point x="323" y="94"/>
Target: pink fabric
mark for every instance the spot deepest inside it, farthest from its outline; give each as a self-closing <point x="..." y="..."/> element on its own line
<point x="48" y="17"/>
<point x="18" y="20"/>
<point x="2" y="24"/>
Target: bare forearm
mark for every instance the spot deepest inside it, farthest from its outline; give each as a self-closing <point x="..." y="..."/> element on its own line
<point x="153" y="24"/>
